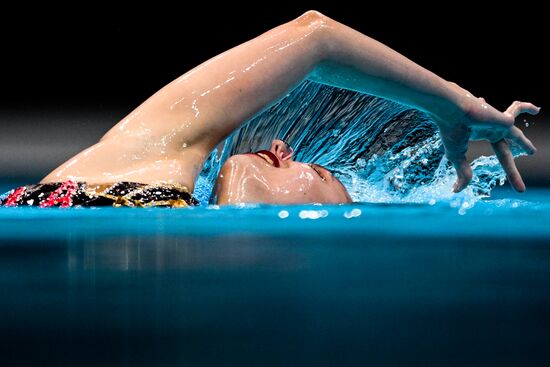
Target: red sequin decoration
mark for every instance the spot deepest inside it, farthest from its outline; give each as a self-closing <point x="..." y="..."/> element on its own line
<point x="58" y="197"/>
<point x="12" y="199"/>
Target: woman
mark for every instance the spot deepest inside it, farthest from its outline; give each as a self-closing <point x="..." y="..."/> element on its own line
<point x="154" y="155"/>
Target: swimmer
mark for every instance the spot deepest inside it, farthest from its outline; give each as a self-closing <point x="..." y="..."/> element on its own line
<point x="154" y="155"/>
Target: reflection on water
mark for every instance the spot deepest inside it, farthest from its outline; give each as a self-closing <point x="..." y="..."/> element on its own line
<point x="169" y="253"/>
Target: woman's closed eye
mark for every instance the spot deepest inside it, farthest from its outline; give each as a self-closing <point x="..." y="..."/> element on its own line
<point x="321" y="171"/>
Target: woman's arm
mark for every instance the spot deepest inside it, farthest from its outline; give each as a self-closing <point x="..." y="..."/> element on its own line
<point x="209" y="102"/>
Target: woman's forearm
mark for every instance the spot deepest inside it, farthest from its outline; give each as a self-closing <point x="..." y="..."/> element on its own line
<point x="355" y="61"/>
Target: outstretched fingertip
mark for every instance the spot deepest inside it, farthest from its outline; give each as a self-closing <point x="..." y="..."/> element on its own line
<point x="528" y="147"/>
<point x="464" y="175"/>
<point x="460" y="185"/>
<point x="517" y="184"/>
<point x="520" y="189"/>
<point x="530" y="109"/>
<point x="457" y="188"/>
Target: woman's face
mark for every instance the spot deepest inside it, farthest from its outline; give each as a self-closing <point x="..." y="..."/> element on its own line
<point x="274" y="177"/>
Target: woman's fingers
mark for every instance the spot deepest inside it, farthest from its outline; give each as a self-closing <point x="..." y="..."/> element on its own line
<point x="520" y="139"/>
<point x="455" y="140"/>
<point x="463" y="174"/>
<point x="516" y="134"/>
<point x="506" y="159"/>
<point x="518" y="108"/>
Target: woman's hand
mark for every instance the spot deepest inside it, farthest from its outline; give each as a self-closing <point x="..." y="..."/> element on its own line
<point x="481" y="121"/>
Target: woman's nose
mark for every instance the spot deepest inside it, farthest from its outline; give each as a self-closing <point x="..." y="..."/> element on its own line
<point x="281" y="149"/>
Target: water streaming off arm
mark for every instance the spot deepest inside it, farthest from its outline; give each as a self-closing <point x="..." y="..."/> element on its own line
<point x="382" y="151"/>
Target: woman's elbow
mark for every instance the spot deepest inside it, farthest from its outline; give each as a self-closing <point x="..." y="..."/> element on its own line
<point x="312" y="19"/>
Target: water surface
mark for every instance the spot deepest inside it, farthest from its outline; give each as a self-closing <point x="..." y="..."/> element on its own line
<point x="363" y="284"/>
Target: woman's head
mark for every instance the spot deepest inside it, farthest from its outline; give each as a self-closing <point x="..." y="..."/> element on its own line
<point x="272" y="176"/>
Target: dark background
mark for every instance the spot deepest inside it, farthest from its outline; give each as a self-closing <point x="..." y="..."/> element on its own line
<point x="70" y="74"/>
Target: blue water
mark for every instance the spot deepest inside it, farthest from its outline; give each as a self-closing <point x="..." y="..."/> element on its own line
<point x="511" y="217"/>
<point x="362" y="284"/>
<point x="409" y="275"/>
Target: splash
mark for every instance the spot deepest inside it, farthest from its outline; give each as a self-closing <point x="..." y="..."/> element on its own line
<point x="381" y="151"/>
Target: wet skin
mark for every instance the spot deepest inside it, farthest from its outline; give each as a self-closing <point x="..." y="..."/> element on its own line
<point x="254" y="178"/>
<point x="169" y="136"/>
